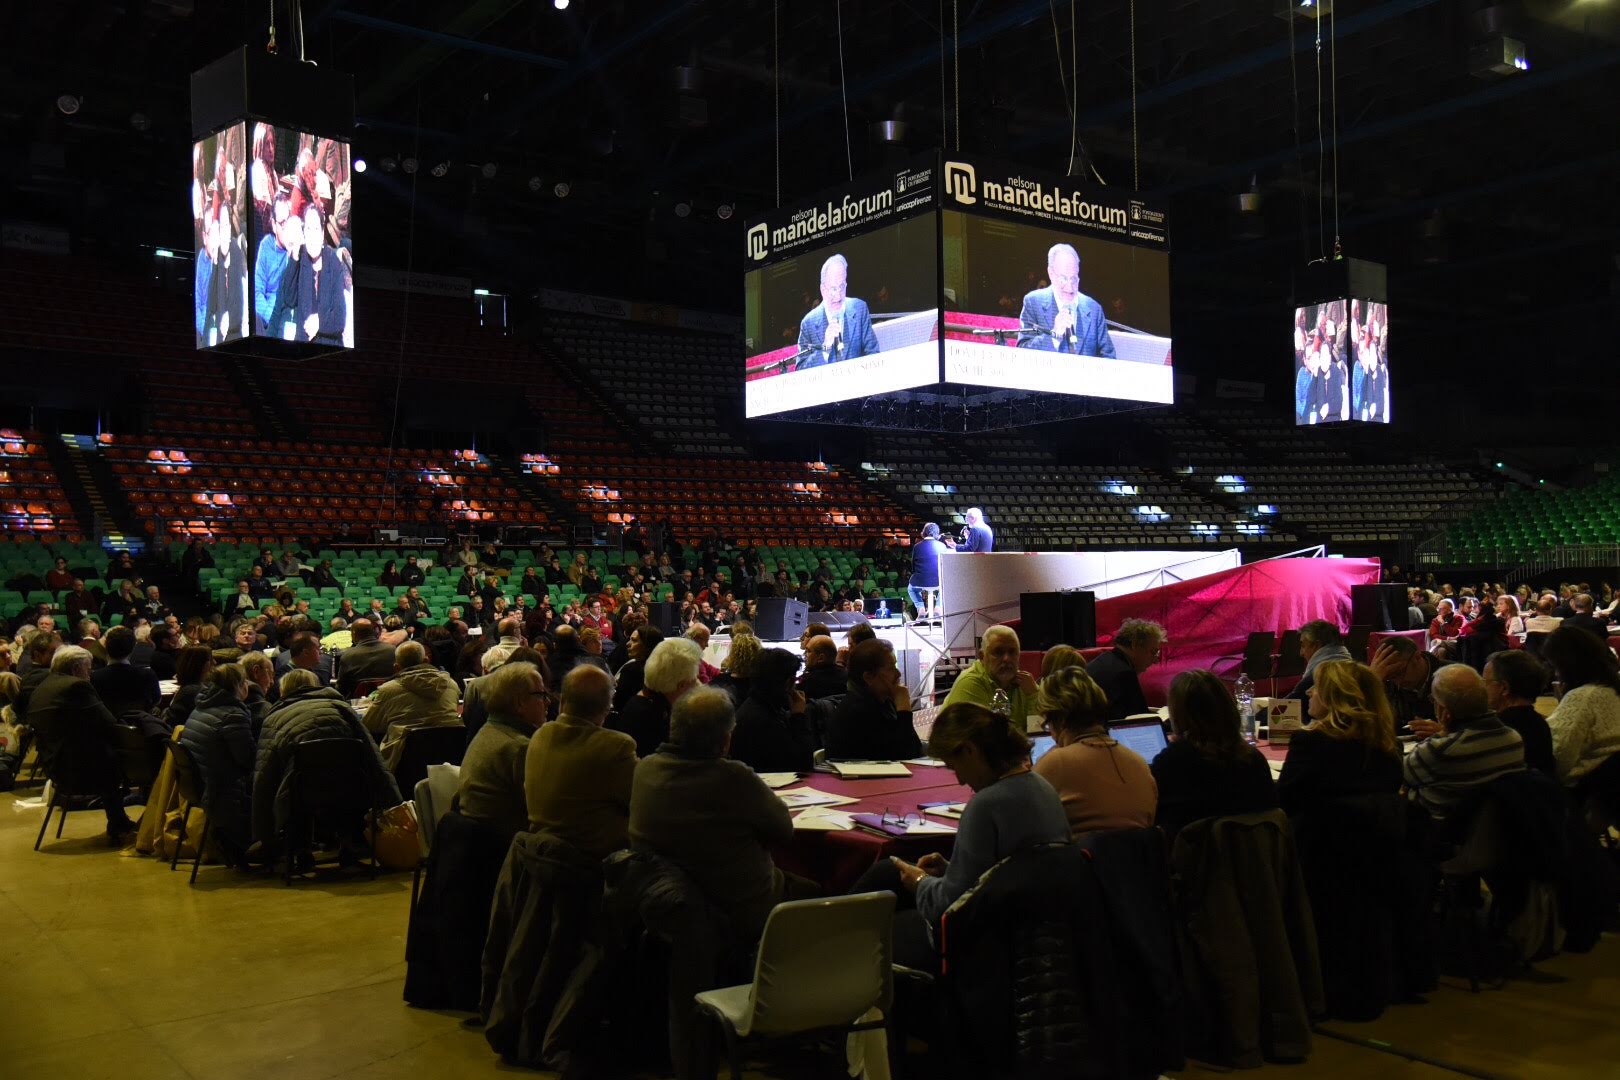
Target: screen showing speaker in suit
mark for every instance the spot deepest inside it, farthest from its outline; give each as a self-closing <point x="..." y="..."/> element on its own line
<point x="1341" y="363"/>
<point x="850" y="319"/>
<point x="1044" y="309"/>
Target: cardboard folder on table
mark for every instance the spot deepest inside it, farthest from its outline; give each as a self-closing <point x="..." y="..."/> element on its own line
<point x="868" y="770"/>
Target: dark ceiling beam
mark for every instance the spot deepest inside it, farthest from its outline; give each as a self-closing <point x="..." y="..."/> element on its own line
<point x="454" y="41"/>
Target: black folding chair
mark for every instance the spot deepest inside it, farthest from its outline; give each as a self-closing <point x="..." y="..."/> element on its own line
<point x="188" y="783"/>
<point x="424" y="746"/>
<point x="332" y="788"/>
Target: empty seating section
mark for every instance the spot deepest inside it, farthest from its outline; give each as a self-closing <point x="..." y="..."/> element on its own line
<point x="28" y="559"/>
<point x="241" y="488"/>
<point x="31" y="499"/>
<point x="1528" y="521"/>
<point x="684" y="385"/>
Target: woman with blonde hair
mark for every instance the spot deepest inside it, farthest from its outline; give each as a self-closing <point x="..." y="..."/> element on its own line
<point x="737" y="669"/>
<point x="1103" y="785"/>
<point x="1349" y="747"/>
<point x="1059" y="657"/>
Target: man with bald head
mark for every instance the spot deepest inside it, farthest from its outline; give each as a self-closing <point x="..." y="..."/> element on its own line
<point x="1465" y="746"/>
<point x="824" y="676"/>
<point x="577" y="777"/>
<point x="365" y="658"/>
<point x="838" y="328"/>
<point x="1061" y="318"/>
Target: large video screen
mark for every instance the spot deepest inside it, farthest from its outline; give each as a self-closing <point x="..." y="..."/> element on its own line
<point x="303" y="263"/>
<point x="220" y="233"/>
<point x="851" y="319"/>
<point x="1341" y="362"/>
<point x="1042" y="309"/>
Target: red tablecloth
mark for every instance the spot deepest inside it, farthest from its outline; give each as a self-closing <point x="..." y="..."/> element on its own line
<point x="836" y="859"/>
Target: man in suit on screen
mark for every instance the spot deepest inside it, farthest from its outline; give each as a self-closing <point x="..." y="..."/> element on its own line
<point x="838" y="328"/>
<point x="1061" y="318"/>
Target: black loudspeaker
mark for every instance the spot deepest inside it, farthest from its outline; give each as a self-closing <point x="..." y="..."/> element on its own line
<point x="1057" y="618"/>
<point x="781" y="619"/>
<point x="1382" y="607"/>
<point x="665" y="617"/>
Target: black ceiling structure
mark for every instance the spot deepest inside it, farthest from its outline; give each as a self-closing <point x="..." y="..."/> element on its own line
<point x="1491" y="197"/>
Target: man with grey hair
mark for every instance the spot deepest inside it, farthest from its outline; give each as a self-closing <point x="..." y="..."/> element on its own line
<point x="1137" y="645"/>
<point x="838" y="328"/>
<point x="997" y="668"/>
<point x="1319" y="642"/>
<point x="1465" y="746"/>
<point x="672" y="669"/>
<point x="419" y="695"/>
<point x="577" y="778"/>
<point x="1061" y="318"/>
<point x="711" y="816"/>
<point x="76" y="736"/>
<point x="976" y="534"/>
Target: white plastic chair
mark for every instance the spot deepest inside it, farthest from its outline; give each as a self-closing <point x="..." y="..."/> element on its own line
<point x="823" y="967"/>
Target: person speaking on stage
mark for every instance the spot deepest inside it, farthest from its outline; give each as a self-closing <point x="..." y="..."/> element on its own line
<point x="1061" y="318"/>
<point x="838" y="328"/>
<point x="976" y="535"/>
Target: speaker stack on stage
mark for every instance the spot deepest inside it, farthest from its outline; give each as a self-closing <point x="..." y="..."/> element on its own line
<point x="1057" y="618"/>
<point x="665" y="617"/>
<point x="1382" y="607"/>
<point x="781" y="619"/>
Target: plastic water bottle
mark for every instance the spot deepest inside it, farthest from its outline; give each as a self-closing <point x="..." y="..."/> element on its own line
<point x="883" y="609"/>
<point x="1243" y="691"/>
<point x="1000" y="703"/>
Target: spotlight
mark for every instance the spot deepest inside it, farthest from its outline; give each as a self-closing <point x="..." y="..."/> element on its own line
<point x="69" y="104"/>
<point x="683" y="209"/>
<point x="560" y="5"/>
<point x="441" y="169"/>
<point x="724" y="212"/>
<point x="489" y="170"/>
<point x="359" y="164"/>
<point x="1498" y="55"/>
<point x="534" y="183"/>
<point x="562" y="189"/>
<point x="409" y="165"/>
<point x="389" y="164"/>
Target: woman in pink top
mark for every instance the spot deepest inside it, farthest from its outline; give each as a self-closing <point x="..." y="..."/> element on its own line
<point x="1103" y="785"/>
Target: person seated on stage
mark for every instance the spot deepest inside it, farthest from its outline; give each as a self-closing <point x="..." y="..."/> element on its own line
<point x="923" y="587"/>
<point x="976" y="534"/>
<point x="872" y="721"/>
<point x="1012" y="808"/>
<point x="838" y="328"/>
<point x="824" y="676"/>
<point x="577" y="774"/>
<point x="1209" y="771"/>
<point x="1513" y="681"/>
<point x="1319" y="642"/>
<point x="1349" y="746"/>
<point x="778" y="730"/>
<point x="419" y="695"/>
<point x="671" y="670"/>
<point x="1059" y="657"/>
<point x="1137" y="646"/>
<point x="1102" y="784"/>
<point x="75" y="735"/>
<point x="710" y="815"/>
<point x="1408" y="674"/>
<point x="1465" y="747"/>
<point x="997" y="669"/>
<point x="1586" y="724"/>
<point x="1061" y="318"/>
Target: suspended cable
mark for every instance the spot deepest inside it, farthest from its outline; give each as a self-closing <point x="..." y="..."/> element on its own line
<point x="1299" y="162"/>
<point x="1136" y="157"/>
<point x="956" y="70"/>
<point x="843" y="88"/>
<point x="1321" y="152"/>
<point x="404" y="323"/>
<point x="1074" y="87"/>
<point x="776" y="92"/>
<point x="1333" y="78"/>
<point x="944" y="101"/>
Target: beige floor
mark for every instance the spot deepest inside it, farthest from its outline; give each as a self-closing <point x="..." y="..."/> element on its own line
<point x="114" y="967"/>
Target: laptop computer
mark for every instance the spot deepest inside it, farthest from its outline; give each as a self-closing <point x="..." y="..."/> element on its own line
<point x="1146" y="737"/>
<point x="1039" y="746"/>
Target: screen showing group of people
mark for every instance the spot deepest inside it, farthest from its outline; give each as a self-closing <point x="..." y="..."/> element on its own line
<point x="274" y="254"/>
<point x="1037" y="308"/>
<point x="1341" y="362"/>
<point x="847" y="320"/>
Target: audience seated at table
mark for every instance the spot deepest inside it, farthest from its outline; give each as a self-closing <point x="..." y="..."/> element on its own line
<point x="192" y="666"/>
<point x="419" y="695"/>
<point x="261" y="682"/>
<point x="997" y="669"/>
<point x="712" y="816"/>
<point x="75" y="733"/>
<point x="578" y="774"/>
<point x="778" y="729"/>
<point x="1513" y="681"/>
<point x="1137" y="645"/>
<point x="1586" y="724"/>
<point x="1464" y="748"/>
<point x="219" y="736"/>
<point x="671" y="670"/>
<point x="366" y="658"/>
<point x="737" y="667"/>
<point x="1581" y="617"/>
<point x="824" y="676"/>
<point x="1011" y="809"/>
<point x="1209" y="770"/>
<point x="1059" y="657"/>
<point x="1319" y="642"/>
<point x="1349" y="746"/>
<point x="124" y="687"/>
<point x="1102" y="784"/>
<point x="1408" y="674"/>
<point x="493" y="769"/>
<point x="640" y="643"/>
<point x="872" y="720"/>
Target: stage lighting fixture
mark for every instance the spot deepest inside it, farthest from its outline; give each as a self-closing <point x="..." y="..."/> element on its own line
<point x="535" y="183"/>
<point x="724" y="212"/>
<point x="560" y="5"/>
<point x="359" y="164"/>
<point x="69" y="104"/>
<point x="489" y="170"/>
<point x="441" y="169"/>
<point x="1498" y="55"/>
<point x="562" y="189"/>
<point x="683" y="209"/>
<point x="409" y="165"/>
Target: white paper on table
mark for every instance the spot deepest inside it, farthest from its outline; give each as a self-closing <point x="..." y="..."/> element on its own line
<point x="930" y="828"/>
<point x="823" y="819"/>
<point x="797" y="798"/>
<point x="950" y="810"/>
<point x="778" y="779"/>
<point x="860" y="770"/>
<point x="931" y="762"/>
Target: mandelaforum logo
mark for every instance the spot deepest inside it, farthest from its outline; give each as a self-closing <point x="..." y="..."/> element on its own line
<point x="759" y="241"/>
<point x="961" y="183"/>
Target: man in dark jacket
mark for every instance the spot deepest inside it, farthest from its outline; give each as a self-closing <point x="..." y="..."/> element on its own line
<point x="1136" y="648"/>
<point x="218" y="735"/>
<point x="123" y="686"/>
<point x="41" y="649"/>
<point x="823" y="676"/>
<point x="366" y="658"/>
<point x="872" y="722"/>
<point x="303" y="650"/>
<point x="75" y="733"/>
<point x="776" y="727"/>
